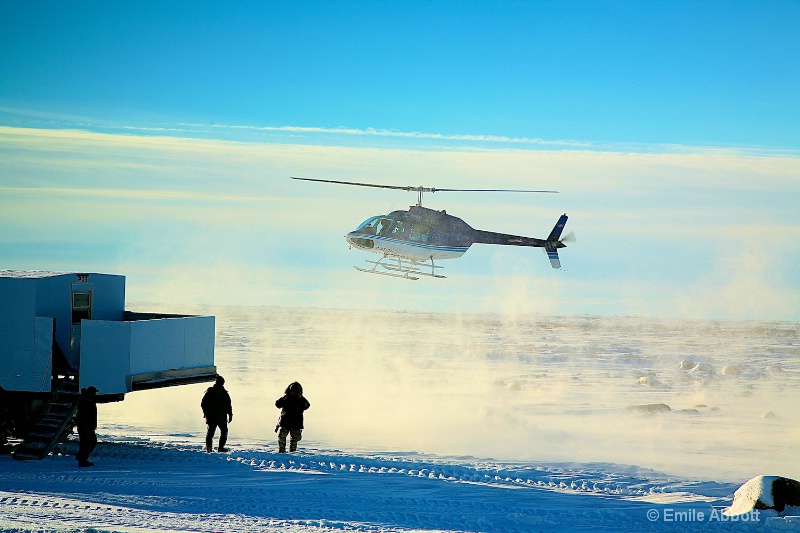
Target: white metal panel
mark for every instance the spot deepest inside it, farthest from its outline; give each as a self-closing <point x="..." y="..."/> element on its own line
<point x="112" y="352"/>
<point x="53" y="300"/>
<point x="105" y="356"/>
<point x="17" y="311"/>
<point x="172" y="343"/>
<point x="157" y="345"/>
<point x="29" y="369"/>
<point x="43" y="352"/>
<point x="16" y="370"/>
<point x="200" y="334"/>
<point x="108" y="294"/>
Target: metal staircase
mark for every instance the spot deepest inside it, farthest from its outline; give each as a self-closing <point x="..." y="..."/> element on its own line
<point x="55" y="420"/>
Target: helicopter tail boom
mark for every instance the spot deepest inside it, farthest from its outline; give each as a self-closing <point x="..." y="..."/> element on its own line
<point x="551" y="244"/>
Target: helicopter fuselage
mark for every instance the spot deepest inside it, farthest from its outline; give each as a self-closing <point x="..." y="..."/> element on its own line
<point x="417" y="234"/>
<point x="420" y="234"/>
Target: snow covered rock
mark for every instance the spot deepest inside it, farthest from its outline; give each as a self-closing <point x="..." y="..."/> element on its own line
<point x="695" y="368"/>
<point x="731" y="370"/>
<point x="650" y="381"/>
<point x="650" y="408"/>
<point x="766" y="492"/>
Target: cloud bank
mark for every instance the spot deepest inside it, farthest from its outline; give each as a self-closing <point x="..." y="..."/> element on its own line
<point x="710" y="233"/>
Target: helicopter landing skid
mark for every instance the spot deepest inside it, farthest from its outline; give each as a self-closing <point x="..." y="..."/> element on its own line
<point x="402" y="268"/>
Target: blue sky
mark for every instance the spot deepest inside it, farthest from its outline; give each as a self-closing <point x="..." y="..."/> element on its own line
<point x="155" y="139"/>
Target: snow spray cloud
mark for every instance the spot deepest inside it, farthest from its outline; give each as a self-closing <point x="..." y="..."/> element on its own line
<point x="682" y="397"/>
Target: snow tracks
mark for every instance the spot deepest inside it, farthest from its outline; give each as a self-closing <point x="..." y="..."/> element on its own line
<point x="174" y="486"/>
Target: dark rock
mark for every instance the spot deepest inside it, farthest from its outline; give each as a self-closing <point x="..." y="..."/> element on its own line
<point x="765" y="492"/>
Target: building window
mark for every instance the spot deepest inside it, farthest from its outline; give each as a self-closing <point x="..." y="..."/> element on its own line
<point x="81" y="306"/>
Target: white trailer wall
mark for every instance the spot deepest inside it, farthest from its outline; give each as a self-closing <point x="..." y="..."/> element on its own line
<point x="28" y="363"/>
<point x="26" y="341"/>
<point x="105" y="356"/>
<point x="112" y="353"/>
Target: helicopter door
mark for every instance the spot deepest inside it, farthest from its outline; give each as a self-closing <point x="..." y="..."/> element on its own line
<point x="81" y="310"/>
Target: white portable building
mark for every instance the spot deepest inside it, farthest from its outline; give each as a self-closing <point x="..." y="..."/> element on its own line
<point x="56" y="323"/>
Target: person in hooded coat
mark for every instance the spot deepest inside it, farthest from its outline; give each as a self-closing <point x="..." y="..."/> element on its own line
<point x="218" y="412"/>
<point x="86" y="422"/>
<point x="292" y="405"/>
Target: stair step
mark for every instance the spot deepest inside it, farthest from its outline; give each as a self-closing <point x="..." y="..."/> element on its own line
<point x="43" y="435"/>
<point x="35" y="435"/>
<point x="54" y="417"/>
<point x="34" y="445"/>
<point x="50" y="423"/>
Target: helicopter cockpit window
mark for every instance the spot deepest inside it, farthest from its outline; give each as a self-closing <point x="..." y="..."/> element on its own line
<point x="382" y="227"/>
<point x="399" y="229"/>
<point x="368" y="226"/>
<point x="376" y="225"/>
<point x="419" y="232"/>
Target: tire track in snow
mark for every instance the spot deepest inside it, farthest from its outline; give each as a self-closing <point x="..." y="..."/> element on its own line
<point x="545" y="477"/>
<point x="143" y="485"/>
<point x="36" y="514"/>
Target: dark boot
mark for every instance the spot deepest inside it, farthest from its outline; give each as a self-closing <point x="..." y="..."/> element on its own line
<point x="222" y="441"/>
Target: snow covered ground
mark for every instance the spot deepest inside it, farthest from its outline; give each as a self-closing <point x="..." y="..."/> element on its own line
<point x="442" y="422"/>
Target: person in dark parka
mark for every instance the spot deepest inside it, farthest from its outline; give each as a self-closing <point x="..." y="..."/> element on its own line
<point x="217" y="410"/>
<point x="86" y="422"/>
<point x="292" y="405"/>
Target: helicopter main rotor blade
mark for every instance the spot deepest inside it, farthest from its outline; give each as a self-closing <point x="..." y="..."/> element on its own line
<point x="488" y="190"/>
<point x="416" y="189"/>
<point x="397" y="187"/>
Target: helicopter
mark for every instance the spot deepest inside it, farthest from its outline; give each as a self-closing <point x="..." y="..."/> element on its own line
<point x="411" y="241"/>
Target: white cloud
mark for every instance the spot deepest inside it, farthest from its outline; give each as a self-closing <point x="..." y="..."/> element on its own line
<point x="377" y="132"/>
<point x="233" y="204"/>
<point x="130" y="194"/>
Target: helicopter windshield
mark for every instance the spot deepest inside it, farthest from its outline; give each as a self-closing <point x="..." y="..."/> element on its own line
<point x="378" y="225"/>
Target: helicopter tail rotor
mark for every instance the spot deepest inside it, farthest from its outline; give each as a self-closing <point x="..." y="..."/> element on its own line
<point x="569" y="237"/>
<point x="554" y="242"/>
